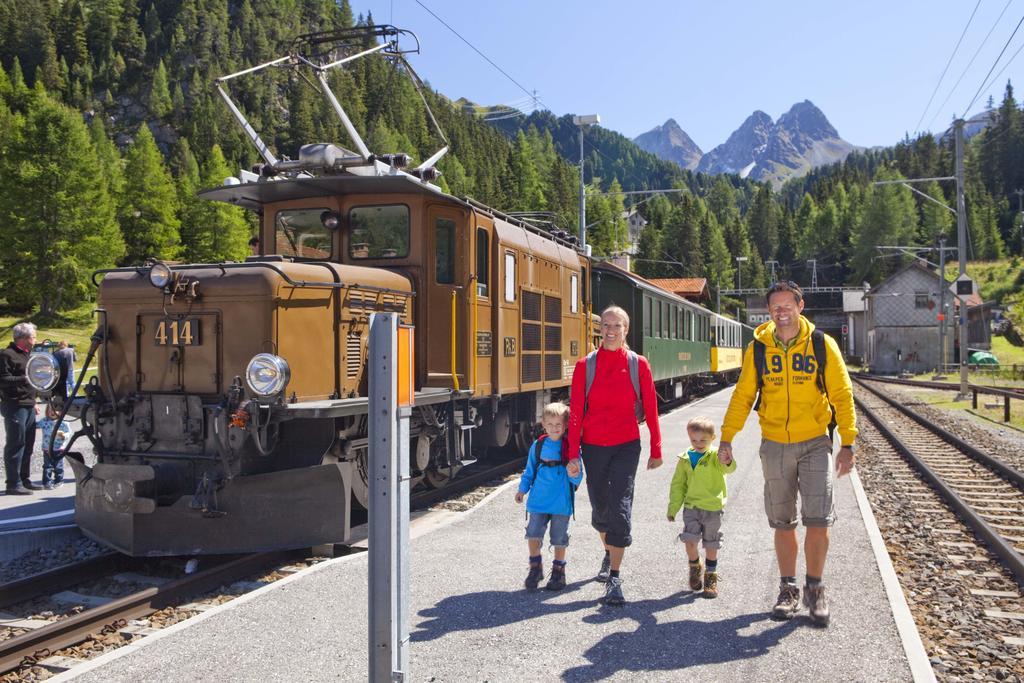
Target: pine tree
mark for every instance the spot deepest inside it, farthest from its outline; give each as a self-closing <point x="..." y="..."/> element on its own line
<point x="763" y="218"/>
<point x="159" y="96"/>
<point x="890" y="218"/>
<point x="149" y="214"/>
<point x="57" y="217"/>
<point x="219" y="231"/>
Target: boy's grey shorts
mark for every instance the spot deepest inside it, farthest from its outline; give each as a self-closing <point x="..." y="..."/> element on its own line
<point x="702" y="525"/>
<point x="805" y="468"/>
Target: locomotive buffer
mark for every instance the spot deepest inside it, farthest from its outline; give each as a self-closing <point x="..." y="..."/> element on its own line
<point x="391" y="391"/>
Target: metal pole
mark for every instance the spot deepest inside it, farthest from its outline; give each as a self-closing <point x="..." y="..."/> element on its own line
<point x="388" y="463"/>
<point x="942" y="306"/>
<point x="718" y="297"/>
<point x="961" y="239"/>
<point x="583" y="200"/>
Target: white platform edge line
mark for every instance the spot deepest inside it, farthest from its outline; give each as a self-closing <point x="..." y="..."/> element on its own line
<point x="446" y="517"/>
<point x="917" y="656"/>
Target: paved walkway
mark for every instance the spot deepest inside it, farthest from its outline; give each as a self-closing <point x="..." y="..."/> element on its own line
<point x="472" y="621"/>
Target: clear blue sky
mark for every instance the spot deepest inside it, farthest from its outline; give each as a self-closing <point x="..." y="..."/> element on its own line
<point x="870" y="66"/>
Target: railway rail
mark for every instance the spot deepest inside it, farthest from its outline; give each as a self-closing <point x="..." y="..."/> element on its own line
<point x="952" y="519"/>
<point x="29" y="644"/>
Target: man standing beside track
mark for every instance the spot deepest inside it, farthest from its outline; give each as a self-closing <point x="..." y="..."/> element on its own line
<point x="18" y="405"/>
<point x="801" y="386"/>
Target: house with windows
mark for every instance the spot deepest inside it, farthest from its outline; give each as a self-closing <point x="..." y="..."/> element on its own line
<point x="693" y="289"/>
<point x="903" y="316"/>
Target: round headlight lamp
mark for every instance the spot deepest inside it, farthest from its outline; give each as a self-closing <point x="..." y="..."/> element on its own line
<point x="42" y="371"/>
<point x="267" y="374"/>
<point x="160" y="275"/>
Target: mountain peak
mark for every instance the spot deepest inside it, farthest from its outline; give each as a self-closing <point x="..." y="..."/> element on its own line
<point x="670" y="142"/>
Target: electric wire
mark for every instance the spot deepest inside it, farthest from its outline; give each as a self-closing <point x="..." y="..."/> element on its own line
<point x="967" y="68"/>
<point x="994" y="64"/>
<point x="477" y="50"/>
<point x="946" y="68"/>
<point x="1000" y="73"/>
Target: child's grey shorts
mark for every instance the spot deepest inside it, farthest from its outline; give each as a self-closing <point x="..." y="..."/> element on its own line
<point x="702" y="525"/>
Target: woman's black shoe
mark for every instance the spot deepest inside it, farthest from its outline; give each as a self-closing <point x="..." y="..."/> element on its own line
<point x="17" y="491"/>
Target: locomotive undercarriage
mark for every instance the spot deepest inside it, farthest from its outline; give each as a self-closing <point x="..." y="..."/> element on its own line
<point x="182" y="474"/>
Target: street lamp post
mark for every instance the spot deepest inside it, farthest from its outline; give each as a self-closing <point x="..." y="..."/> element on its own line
<point x="584" y="121"/>
<point x="739" y="281"/>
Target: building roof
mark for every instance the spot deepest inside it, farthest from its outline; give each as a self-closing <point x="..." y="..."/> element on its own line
<point x="684" y="286"/>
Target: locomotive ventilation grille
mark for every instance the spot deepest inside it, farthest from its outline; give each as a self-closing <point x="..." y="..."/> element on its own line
<point x="375" y="301"/>
<point x="353" y="354"/>
<point x="541" y="338"/>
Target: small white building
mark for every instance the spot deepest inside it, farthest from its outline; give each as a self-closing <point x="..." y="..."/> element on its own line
<point x="636" y="224"/>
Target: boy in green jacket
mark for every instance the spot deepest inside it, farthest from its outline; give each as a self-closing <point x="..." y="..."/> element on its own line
<point x="698" y="486"/>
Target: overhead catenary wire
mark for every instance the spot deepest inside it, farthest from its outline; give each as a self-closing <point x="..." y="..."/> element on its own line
<point x="1005" y="66"/>
<point x="946" y="68"/>
<point x="994" y="64"/>
<point x="479" y="52"/>
<point x="967" y="68"/>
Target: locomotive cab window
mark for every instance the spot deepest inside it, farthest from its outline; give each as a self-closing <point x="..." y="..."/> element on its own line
<point x="300" y="233"/>
<point x="378" y="232"/>
<point x="483" y="272"/>
<point x="444" y="236"/>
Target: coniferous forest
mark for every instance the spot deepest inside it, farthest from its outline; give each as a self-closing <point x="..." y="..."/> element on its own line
<point x="110" y="123"/>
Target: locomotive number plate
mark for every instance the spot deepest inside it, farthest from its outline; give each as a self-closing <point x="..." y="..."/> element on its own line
<point x="177" y="332"/>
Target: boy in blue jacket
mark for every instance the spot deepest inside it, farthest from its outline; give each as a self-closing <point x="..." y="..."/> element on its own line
<point x="551" y="481"/>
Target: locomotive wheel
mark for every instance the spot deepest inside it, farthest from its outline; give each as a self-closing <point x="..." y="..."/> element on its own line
<point x="523" y="437"/>
<point x="438" y="478"/>
<point x="361" y="481"/>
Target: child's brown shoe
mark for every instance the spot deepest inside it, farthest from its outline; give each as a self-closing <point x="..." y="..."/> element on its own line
<point x="711" y="585"/>
<point x="696" y="575"/>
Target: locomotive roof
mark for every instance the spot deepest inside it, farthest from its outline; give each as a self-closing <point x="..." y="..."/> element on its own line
<point x="254" y="195"/>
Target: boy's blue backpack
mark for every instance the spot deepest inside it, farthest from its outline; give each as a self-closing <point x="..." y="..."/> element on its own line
<point x="540" y="462"/>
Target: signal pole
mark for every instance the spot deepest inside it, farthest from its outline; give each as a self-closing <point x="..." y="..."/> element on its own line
<point x="961" y="241"/>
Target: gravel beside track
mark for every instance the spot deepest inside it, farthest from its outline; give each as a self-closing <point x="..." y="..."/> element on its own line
<point x="955" y="587"/>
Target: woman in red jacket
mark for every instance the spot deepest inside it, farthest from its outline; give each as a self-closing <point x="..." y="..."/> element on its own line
<point x="604" y="423"/>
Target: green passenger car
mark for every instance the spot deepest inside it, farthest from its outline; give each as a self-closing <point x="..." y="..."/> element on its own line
<point x="672" y="333"/>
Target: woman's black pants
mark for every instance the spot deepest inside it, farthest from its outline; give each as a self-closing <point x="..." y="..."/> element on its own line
<point x="611" y="472"/>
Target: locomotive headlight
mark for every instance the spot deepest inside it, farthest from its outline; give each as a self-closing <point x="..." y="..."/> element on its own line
<point x="42" y="371"/>
<point x="267" y="374"/>
<point x="160" y="275"/>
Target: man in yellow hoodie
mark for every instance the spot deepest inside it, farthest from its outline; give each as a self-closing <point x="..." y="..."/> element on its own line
<point x="795" y="410"/>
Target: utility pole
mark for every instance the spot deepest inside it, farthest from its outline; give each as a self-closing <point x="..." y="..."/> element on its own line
<point x="942" y="309"/>
<point x="772" y="264"/>
<point x="814" y="272"/>
<point x="961" y="240"/>
<point x="584" y="121"/>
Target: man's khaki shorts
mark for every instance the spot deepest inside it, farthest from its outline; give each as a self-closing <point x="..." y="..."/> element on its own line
<point x="806" y="468"/>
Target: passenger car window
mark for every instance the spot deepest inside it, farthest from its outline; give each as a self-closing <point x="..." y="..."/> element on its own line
<point x="510" y="276"/>
<point x="299" y="233"/>
<point x="378" y="232"/>
<point x="483" y="272"/>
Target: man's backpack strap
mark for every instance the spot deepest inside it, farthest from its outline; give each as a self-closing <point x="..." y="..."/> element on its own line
<point x="821" y="355"/>
<point x="760" y="368"/>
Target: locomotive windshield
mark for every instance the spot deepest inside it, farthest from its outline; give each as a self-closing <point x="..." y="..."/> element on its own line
<point x="378" y="232"/>
<point x="300" y="233"/>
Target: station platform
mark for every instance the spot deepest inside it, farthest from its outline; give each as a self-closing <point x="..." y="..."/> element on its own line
<point x="38" y="520"/>
<point x="472" y="620"/>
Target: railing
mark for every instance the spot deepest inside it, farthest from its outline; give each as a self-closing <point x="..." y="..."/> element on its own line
<point x="1014" y="371"/>
<point x="1005" y="393"/>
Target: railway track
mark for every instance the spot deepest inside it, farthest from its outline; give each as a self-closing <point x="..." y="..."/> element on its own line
<point x="52" y="617"/>
<point x="953" y="518"/>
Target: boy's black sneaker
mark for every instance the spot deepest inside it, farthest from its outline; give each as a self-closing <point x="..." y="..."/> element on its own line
<point x="613" y="592"/>
<point x="534" y="577"/>
<point x="606" y="569"/>
<point x="556" y="581"/>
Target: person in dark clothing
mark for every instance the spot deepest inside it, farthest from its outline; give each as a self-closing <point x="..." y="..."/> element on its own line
<point x="18" y="406"/>
<point x="603" y="424"/>
<point x="65" y="357"/>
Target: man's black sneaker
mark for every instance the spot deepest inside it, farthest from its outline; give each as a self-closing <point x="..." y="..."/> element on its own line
<point x="534" y="577"/>
<point x="606" y="569"/>
<point x="17" y="491"/>
<point x="817" y="606"/>
<point x="613" y="592"/>
<point x="788" y="602"/>
<point x="556" y="581"/>
<point x="30" y="486"/>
